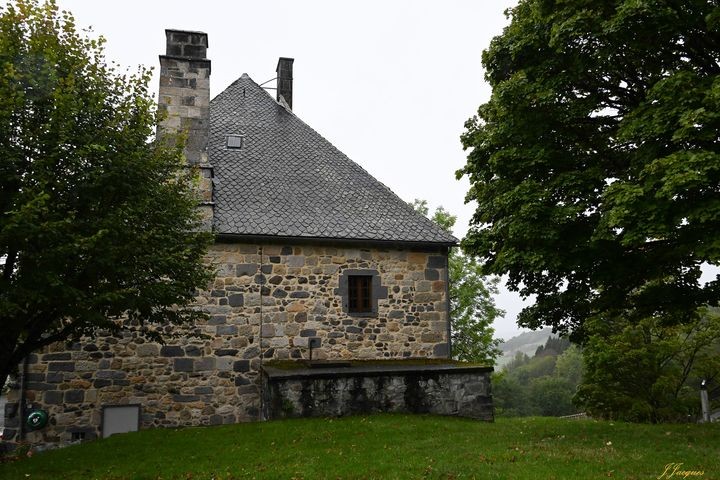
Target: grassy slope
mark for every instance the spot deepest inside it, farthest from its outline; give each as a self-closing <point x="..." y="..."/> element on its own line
<point x="387" y="446"/>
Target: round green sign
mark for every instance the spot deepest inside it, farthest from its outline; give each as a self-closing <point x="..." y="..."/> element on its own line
<point x="36" y="419"/>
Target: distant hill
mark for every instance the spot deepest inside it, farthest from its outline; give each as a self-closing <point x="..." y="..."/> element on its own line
<point x="526" y="342"/>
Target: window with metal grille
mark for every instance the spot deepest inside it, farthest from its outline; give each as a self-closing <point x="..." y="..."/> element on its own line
<point x="359" y="293"/>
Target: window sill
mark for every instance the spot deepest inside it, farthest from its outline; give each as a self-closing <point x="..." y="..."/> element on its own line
<point x="362" y="314"/>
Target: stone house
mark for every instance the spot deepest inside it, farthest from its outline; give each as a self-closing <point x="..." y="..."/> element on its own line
<point x="310" y="248"/>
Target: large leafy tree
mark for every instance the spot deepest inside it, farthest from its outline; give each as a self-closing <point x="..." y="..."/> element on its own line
<point x="596" y="162"/>
<point x="647" y="371"/>
<point x="472" y="306"/>
<point x="98" y="225"/>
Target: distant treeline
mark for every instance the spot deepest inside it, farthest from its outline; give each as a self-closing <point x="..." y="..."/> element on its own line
<point x="540" y="385"/>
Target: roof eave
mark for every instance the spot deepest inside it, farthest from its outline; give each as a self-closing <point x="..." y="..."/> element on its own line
<point x="238" y="238"/>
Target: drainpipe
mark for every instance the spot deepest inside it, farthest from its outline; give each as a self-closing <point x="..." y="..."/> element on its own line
<point x="21" y="406"/>
<point x="447" y="301"/>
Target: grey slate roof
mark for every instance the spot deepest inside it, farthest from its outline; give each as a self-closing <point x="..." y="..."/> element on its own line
<point x="288" y="181"/>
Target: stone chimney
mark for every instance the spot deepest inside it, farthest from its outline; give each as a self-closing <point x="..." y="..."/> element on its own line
<point x="285" y="80"/>
<point x="185" y="97"/>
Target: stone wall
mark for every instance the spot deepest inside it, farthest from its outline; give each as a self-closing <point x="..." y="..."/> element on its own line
<point x="265" y="303"/>
<point x="437" y="389"/>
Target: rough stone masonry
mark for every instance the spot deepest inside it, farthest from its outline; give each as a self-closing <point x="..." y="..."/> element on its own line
<point x="265" y="303"/>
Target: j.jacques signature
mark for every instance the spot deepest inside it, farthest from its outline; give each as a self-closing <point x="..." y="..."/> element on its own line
<point x="673" y="470"/>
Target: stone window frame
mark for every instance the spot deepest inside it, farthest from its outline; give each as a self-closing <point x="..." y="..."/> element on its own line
<point x="377" y="290"/>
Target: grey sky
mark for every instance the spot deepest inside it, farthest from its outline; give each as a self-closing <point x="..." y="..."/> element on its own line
<point x="390" y="83"/>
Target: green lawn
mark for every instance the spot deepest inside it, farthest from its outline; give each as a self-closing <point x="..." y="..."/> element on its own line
<point x="388" y="446"/>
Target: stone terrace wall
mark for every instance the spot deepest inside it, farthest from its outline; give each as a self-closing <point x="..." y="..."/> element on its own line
<point x="437" y="389"/>
<point x="291" y="290"/>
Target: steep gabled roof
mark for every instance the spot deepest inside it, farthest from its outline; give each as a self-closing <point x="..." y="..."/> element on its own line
<point x="288" y="181"/>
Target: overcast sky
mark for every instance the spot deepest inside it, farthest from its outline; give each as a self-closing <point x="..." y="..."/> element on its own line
<point x="390" y="83"/>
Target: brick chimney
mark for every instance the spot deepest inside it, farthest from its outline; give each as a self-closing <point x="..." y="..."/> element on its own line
<point x="285" y="80"/>
<point x="185" y="97"/>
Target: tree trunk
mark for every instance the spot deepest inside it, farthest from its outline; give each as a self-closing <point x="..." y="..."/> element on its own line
<point x="8" y="356"/>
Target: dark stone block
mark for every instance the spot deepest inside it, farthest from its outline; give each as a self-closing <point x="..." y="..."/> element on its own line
<point x="301" y="317"/>
<point x="300" y="294"/>
<point x="193" y="351"/>
<point x="174" y="50"/>
<point x="279" y="293"/>
<point x="90" y="348"/>
<point x="223" y="301"/>
<point x="241" y="366"/>
<point x="440" y="350"/>
<point x="101" y="382"/>
<point x="308" y="332"/>
<point x="40" y="386"/>
<point x="266" y="269"/>
<point x="53" y="398"/>
<point x="186" y="398"/>
<point x="227" y="330"/>
<point x="111" y="374"/>
<point x="240" y="381"/>
<point x="259" y="279"/>
<point x="246" y="269"/>
<point x="274" y="259"/>
<point x="251" y="352"/>
<point x="275" y="280"/>
<point x="226" y="352"/>
<point x="61" y="366"/>
<point x="217" y="293"/>
<point x="432" y="274"/>
<point x="217" y="320"/>
<point x="396" y="314"/>
<point x="436" y="261"/>
<point x="353" y="329"/>
<point x="215" y="420"/>
<point x="286" y="251"/>
<point x="35" y="377"/>
<point x="203" y="390"/>
<point x="172" y="351"/>
<point x="11" y="409"/>
<point x="196" y="51"/>
<point x="74" y="396"/>
<point x="56" y="356"/>
<point x="236" y="300"/>
<point x="204" y="364"/>
<point x="183" y="365"/>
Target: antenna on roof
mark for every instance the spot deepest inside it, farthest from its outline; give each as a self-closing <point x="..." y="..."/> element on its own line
<point x="269" y="82"/>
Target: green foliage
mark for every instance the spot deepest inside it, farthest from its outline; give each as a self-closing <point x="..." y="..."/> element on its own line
<point x="595" y="164"/>
<point x="542" y="385"/>
<point x="569" y="365"/>
<point x="472" y="307"/>
<point x="552" y="396"/>
<point x="646" y="371"/>
<point x="385" y="447"/>
<point x="96" y="221"/>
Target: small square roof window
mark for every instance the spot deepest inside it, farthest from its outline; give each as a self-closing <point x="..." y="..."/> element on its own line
<point x="234" y="141"/>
